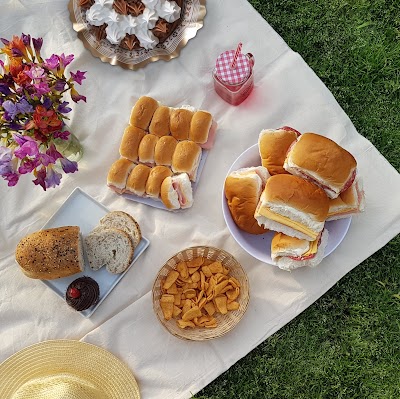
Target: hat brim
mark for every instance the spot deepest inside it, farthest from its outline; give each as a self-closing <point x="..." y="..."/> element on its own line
<point x="94" y="364"/>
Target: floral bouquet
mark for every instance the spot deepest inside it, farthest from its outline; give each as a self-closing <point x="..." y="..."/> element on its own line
<point x="32" y="112"/>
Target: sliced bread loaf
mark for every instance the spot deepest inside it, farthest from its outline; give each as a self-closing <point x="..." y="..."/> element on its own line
<point x="123" y="221"/>
<point x="109" y="247"/>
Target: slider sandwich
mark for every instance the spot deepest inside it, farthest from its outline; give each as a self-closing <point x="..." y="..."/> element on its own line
<point x="131" y="139"/>
<point x="160" y="122"/>
<point x="186" y="158"/>
<point x="137" y="179"/>
<point x="323" y="162"/>
<point x="273" y="145"/>
<point x="203" y="129"/>
<point x="180" y="120"/>
<point x="176" y="192"/>
<point x="153" y="185"/>
<point x="118" y="174"/>
<point x="147" y="148"/>
<point x="349" y="203"/>
<point x="142" y="112"/>
<point x="293" y="206"/>
<point x="164" y="150"/>
<point x="243" y="189"/>
<point x="290" y="253"/>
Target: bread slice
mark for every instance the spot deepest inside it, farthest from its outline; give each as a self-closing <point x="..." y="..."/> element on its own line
<point x="112" y="248"/>
<point x="51" y="253"/>
<point x="125" y="222"/>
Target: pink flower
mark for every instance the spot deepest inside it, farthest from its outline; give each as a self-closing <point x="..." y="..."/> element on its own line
<point x="65" y="59"/>
<point x="36" y="72"/>
<point x="29" y="148"/>
<point x="52" y="62"/>
<point x="78" y="77"/>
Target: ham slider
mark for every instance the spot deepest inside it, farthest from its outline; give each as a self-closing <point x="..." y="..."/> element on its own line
<point x="131" y="139"/>
<point x="293" y="206"/>
<point x="323" y="162"/>
<point x="180" y="120"/>
<point x="243" y="189"/>
<point x="186" y="158"/>
<point x="147" y="148"/>
<point x="157" y="175"/>
<point x="273" y="145"/>
<point x="160" y="123"/>
<point x="118" y="174"/>
<point x="203" y="129"/>
<point x="142" y="112"/>
<point x="176" y="192"/>
<point x="137" y="179"/>
<point x="349" y="203"/>
<point x="290" y="253"/>
<point x="164" y="150"/>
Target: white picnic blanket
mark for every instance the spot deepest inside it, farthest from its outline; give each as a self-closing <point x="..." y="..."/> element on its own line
<point x="287" y="92"/>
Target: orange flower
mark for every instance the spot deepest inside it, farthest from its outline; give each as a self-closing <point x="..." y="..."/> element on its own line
<point x="46" y="120"/>
<point x="15" y="66"/>
<point x="22" y="77"/>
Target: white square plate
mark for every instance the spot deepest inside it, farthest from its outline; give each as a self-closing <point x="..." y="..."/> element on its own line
<point x="80" y="209"/>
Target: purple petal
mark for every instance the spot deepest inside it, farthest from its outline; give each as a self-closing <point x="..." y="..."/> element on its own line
<point x="52" y="62"/>
<point x="37" y="43"/>
<point x="63" y="108"/>
<point x="20" y="139"/>
<point x="26" y="39"/>
<point x="16" y="53"/>
<point x="27" y="149"/>
<point x="5" y="41"/>
<point x="53" y="153"/>
<point x="12" y="179"/>
<point x="59" y="86"/>
<point x="36" y="72"/>
<point x="24" y="107"/>
<point x="53" y="178"/>
<point x="78" y="77"/>
<point x="63" y="135"/>
<point x="42" y="88"/>
<point x="69" y="166"/>
<point x="4" y="89"/>
<point x="40" y="177"/>
<point x="28" y="166"/>
<point x="10" y="108"/>
<point x="47" y="103"/>
<point x="66" y="59"/>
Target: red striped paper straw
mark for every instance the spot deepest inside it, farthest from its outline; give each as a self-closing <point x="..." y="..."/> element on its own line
<point x="238" y="51"/>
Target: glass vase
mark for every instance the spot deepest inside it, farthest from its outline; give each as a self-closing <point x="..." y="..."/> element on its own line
<point x="71" y="148"/>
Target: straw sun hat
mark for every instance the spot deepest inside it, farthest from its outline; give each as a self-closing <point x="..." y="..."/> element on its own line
<point x="66" y="369"/>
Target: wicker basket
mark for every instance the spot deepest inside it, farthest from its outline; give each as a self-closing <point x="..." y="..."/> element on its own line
<point x="225" y="322"/>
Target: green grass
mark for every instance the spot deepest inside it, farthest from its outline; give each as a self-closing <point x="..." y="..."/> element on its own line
<point x="347" y="344"/>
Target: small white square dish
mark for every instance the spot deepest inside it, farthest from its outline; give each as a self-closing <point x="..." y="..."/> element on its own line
<point x="80" y="209"/>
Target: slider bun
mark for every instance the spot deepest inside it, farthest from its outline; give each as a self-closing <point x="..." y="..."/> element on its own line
<point x="273" y="145"/>
<point x="142" y="112"/>
<point x="146" y="148"/>
<point x="169" y="196"/>
<point x="169" y="192"/>
<point x="180" y="120"/>
<point x="283" y="246"/>
<point x="160" y="123"/>
<point x="118" y="174"/>
<point x="322" y="159"/>
<point x="200" y="127"/>
<point x="51" y="253"/>
<point x="164" y="150"/>
<point x="136" y="183"/>
<point x="155" y="179"/>
<point x="130" y="142"/>
<point x="242" y="191"/>
<point x="186" y="158"/>
<point x="297" y="193"/>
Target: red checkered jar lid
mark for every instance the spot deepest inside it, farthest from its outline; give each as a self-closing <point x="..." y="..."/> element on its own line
<point x="230" y="75"/>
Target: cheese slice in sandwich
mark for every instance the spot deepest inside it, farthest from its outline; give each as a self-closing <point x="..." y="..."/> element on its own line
<point x="290" y="253"/>
<point x="349" y="203"/>
<point x="323" y="162"/>
<point x="176" y="192"/>
<point x="293" y="206"/>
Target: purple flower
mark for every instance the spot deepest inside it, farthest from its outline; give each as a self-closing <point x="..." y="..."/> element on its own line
<point x="41" y="88"/>
<point x="5" y="41"/>
<point x="59" y="86"/>
<point x="40" y="176"/>
<point x="68" y="166"/>
<point x="53" y="178"/>
<point x="26" y="39"/>
<point x="24" y="107"/>
<point x="76" y="96"/>
<point x="62" y="134"/>
<point x="2" y="64"/>
<point x="36" y="72"/>
<point x="52" y="62"/>
<point x="28" y="165"/>
<point x="53" y="153"/>
<point x="37" y="44"/>
<point x="47" y="103"/>
<point x="5" y="160"/>
<point x="78" y="77"/>
<point x="16" y="52"/>
<point x="45" y="159"/>
<point x="20" y="139"/>
<point x="63" y="108"/>
<point x="12" y="178"/>
<point x="4" y="89"/>
<point x="66" y="59"/>
<point x="29" y="148"/>
<point x="15" y="126"/>
<point x="11" y="109"/>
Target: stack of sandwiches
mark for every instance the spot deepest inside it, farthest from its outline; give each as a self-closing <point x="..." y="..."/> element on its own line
<point x="162" y="144"/>
<point x="310" y="180"/>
